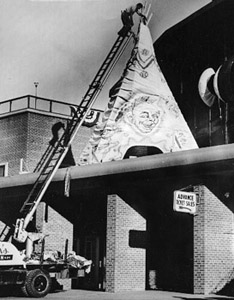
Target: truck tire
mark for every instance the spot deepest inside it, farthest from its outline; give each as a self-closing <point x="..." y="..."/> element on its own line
<point x="38" y="283"/>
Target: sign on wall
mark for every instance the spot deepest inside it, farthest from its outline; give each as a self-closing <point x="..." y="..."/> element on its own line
<point x="184" y="202"/>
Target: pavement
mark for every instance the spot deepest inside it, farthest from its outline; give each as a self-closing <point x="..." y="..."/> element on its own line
<point x="144" y="295"/>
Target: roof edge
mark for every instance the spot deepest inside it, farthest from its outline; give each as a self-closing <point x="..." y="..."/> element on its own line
<point x="191" y="17"/>
<point x="152" y="162"/>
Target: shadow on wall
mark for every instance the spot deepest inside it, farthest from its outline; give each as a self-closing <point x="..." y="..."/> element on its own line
<point x="228" y="289"/>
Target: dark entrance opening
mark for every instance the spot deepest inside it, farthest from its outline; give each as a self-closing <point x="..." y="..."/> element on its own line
<point x="170" y="246"/>
<point x="90" y="241"/>
<point x="138" y="151"/>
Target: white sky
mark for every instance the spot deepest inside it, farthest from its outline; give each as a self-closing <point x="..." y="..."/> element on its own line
<point x="62" y="43"/>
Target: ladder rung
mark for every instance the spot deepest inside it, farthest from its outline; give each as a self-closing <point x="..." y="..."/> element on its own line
<point x="44" y="174"/>
<point x="49" y="167"/>
<point x="54" y="158"/>
<point x="26" y="205"/>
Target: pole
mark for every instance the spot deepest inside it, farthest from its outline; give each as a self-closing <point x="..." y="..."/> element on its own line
<point x="36" y="83"/>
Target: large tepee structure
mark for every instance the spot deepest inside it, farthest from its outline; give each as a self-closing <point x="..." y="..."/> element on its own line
<point x="141" y="112"/>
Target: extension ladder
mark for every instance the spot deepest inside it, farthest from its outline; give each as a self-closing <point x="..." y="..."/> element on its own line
<point x="54" y="155"/>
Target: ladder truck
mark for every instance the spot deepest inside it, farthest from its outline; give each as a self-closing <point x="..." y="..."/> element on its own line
<point x="34" y="278"/>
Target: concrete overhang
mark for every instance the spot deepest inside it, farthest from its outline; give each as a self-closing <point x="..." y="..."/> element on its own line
<point x="210" y="159"/>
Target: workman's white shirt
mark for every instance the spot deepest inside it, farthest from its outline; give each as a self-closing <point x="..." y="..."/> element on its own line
<point x="131" y="9"/>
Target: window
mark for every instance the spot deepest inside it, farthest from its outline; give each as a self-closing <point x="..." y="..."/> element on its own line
<point x="23" y="167"/>
<point x="4" y="170"/>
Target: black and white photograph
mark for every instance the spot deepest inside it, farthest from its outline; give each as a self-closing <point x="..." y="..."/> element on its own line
<point x="116" y="149"/>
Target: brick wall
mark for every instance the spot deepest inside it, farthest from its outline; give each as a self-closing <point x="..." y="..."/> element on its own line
<point x="58" y="229"/>
<point x="213" y="243"/>
<point x="26" y="135"/>
<point x="125" y="265"/>
<point x="56" y="226"/>
<point x="13" y="132"/>
<point x="199" y="245"/>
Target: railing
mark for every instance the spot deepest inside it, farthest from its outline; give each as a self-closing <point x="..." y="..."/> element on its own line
<point x="35" y="103"/>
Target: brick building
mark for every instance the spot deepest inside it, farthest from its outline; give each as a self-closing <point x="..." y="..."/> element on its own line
<point x="120" y="214"/>
<point x="26" y="124"/>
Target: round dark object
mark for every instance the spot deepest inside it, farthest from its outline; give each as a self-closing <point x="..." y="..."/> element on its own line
<point x="38" y="283"/>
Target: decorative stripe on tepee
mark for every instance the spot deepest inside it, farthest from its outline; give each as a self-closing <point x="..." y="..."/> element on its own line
<point x="141" y="111"/>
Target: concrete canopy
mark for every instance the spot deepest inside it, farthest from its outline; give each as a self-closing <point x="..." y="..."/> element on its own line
<point x="192" y="166"/>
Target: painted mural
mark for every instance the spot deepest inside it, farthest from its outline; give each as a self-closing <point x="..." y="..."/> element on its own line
<point x="141" y="111"/>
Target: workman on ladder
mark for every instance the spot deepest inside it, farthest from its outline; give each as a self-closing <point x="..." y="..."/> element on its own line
<point x="127" y="18"/>
<point x="55" y="132"/>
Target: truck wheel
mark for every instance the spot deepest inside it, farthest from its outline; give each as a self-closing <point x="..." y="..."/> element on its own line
<point x="38" y="283"/>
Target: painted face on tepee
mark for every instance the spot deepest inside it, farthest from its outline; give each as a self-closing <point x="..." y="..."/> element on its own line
<point x="143" y="114"/>
<point x="145" y="117"/>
